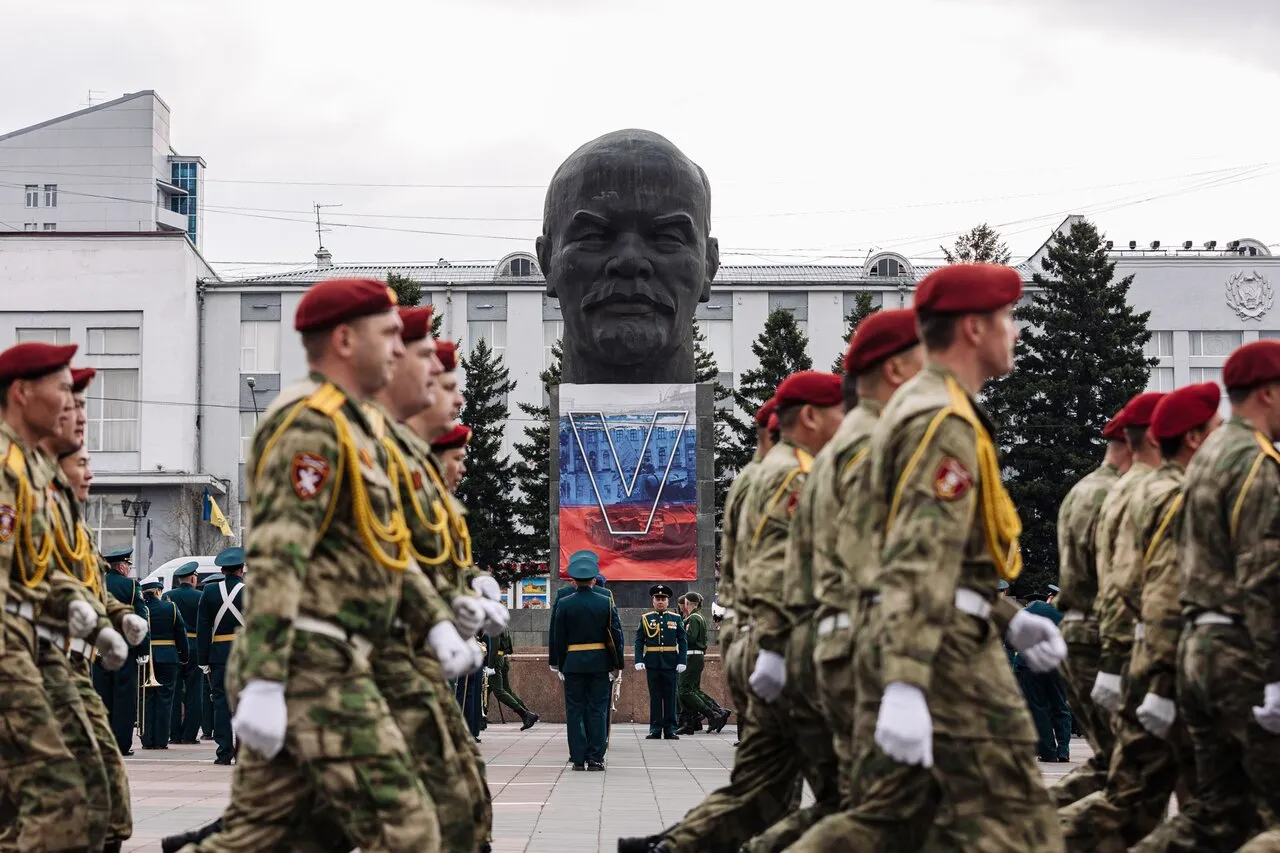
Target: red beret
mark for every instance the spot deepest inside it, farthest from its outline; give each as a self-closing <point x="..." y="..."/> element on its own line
<point x="341" y="300"/>
<point x="879" y="336"/>
<point x="1185" y="409"/>
<point x="33" y="360"/>
<point x="968" y="289"/>
<point x="453" y="439"/>
<point x="1138" y="411"/>
<point x="812" y="387"/>
<point x="81" y="377"/>
<point x="447" y="352"/>
<point x="417" y="323"/>
<point x="1252" y="364"/>
<point x="763" y="413"/>
<point x="1114" y="430"/>
<point x="772" y="425"/>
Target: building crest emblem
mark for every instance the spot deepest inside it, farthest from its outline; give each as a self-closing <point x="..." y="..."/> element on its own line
<point x="1249" y="295"/>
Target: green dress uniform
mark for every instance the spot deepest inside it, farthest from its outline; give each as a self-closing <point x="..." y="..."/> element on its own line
<point x="119" y="689"/>
<point x="661" y="647"/>
<point x="498" y="659"/>
<point x="221" y="616"/>
<point x="188" y="696"/>
<point x="168" y="653"/>
<point x="689" y="683"/>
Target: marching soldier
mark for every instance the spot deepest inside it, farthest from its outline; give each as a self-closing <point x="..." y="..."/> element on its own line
<point x="693" y="703"/>
<point x="188" y="697"/>
<point x="588" y="656"/>
<point x="119" y="688"/>
<point x="498" y="668"/>
<point x="168" y="653"/>
<point x="219" y="620"/>
<point x="660" y="652"/>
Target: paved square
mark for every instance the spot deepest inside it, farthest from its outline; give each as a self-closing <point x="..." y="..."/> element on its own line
<point x="540" y="804"/>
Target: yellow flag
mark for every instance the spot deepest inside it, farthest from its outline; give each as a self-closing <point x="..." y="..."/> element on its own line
<point x="217" y="519"/>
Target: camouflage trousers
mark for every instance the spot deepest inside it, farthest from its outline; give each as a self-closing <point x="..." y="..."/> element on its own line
<point x="1237" y="762"/>
<point x="1079" y="671"/>
<point x="464" y="747"/>
<point x="42" y="788"/>
<point x="120" y="820"/>
<point x="343" y="752"/>
<point x="734" y="644"/>
<point x="781" y="742"/>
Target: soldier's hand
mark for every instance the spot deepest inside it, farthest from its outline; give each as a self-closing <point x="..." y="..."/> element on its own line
<point x="112" y="649"/>
<point x="904" y="728"/>
<point x="554" y="668"/>
<point x="1157" y="714"/>
<point x="456" y="655"/>
<point x="134" y="628"/>
<point x="1268" y="715"/>
<point x="487" y="587"/>
<point x="496" y="616"/>
<point x="81" y="620"/>
<point x="261" y="717"/>
<point x="613" y="674"/>
<point x="488" y="670"/>
<point x="640" y="666"/>
<point x="1038" y="639"/>
<point x="468" y="614"/>
<point x="1106" y="691"/>
<point x="206" y="669"/>
<point x="681" y="667"/>
<point x="144" y="659"/>
<point x="769" y="676"/>
<point x="561" y="674"/>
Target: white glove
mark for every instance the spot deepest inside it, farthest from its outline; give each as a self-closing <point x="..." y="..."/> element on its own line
<point x="81" y="620"/>
<point x="904" y="729"/>
<point x="206" y="669"/>
<point x="112" y="648"/>
<point x="1268" y="715"/>
<point x="468" y="613"/>
<point x="1046" y="655"/>
<point x="769" y="676"/>
<point x="496" y="616"/>
<point x="640" y="666"/>
<point x="261" y="717"/>
<point x="1157" y="714"/>
<point x="143" y="659"/>
<point x="561" y="674"/>
<point x="681" y="667"/>
<point x="554" y="668"/>
<point x="455" y="654"/>
<point x="1106" y="691"/>
<point x="488" y="670"/>
<point x="134" y="628"/>
<point x="488" y="587"/>
<point x="613" y="676"/>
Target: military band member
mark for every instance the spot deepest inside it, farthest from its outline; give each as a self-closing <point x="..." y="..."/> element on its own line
<point x="119" y="688"/>
<point x="220" y="618"/>
<point x="661" y="650"/>
<point x="168" y="653"/>
<point x="188" y="696"/>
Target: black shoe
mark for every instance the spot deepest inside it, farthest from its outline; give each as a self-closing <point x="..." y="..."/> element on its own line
<point x="715" y="726"/>
<point x="529" y="719"/>
<point x="174" y="843"/>
<point x="670" y="736"/>
<point x="225" y="762"/>
<point x="127" y="753"/>
<point x="579" y="767"/>
<point x="639" y="844"/>
<point x="206" y="737"/>
<point x="653" y="736"/>
<point x="595" y="766"/>
<point x="112" y="847"/>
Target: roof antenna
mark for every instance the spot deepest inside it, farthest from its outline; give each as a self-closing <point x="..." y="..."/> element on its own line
<point x="324" y="258"/>
<point x="90" y="99"/>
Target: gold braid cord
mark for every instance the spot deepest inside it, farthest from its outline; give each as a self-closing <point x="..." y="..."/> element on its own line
<point x="33" y="562"/>
<point x="81" y="554"/>
<point x="440" y="526"/>
<point x="372" y="529"/>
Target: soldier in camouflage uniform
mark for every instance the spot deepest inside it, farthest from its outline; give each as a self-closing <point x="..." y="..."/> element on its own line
<point x="313" y="726"/>
<point x="1150" y="751"/>
<point x="883" y="354"/>
<point x="1078" y="575"/>
<point x="944" y="742"/>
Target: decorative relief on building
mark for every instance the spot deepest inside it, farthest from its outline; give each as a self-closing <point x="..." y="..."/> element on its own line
<point x="1249" y="295"/>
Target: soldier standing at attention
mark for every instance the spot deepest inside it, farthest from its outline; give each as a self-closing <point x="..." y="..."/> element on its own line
<point x="499" y="672"/>
<point x="945" y="743"/>
<point x="119" y="688"/>
<point x="221" y="616"/>
<point x="168" y="651"/>
<point x="588" y="656"/>
<point x="660" y="654"/>
<point x="1078" y="574"/>
<point x="693" y="702"/>
<point x="188" y="698"/>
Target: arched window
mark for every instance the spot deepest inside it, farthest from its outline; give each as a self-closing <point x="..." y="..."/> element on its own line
<point x="520" y="268"/>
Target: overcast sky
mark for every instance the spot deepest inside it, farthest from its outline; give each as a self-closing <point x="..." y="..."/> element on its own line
<point x="828" y="129"/>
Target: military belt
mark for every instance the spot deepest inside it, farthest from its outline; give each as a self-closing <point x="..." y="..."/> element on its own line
<point x="584" y="647"/>
<point x="1139" y="632"/>
<point x="1209" y="617"/>
<point x="504" y="654"/>
<point x="361" y="646"/>
<point x="48" y="635"/>
<point x="833" y="623"/>
<point x="696" y="652"/>
<point x="23" y="610"/>
<point x="648" y="649"/>
<point x="1073" y="616"/>
<point x="79" y="647"/>
<point x="972" y="602"/>
<point x="223" y="638"/>
<point x="191" y="635"/>
<point x="163" y="643"/>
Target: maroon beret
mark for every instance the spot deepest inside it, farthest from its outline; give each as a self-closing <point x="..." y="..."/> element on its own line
<point x="1138" y="411"/>
<point x="453" y="439"/>
<point x="812" y="387"/>
<point x="1252" y="364"/>
<point x="968" y="289"/>
<point x="763" y="413"/>
<point x="1114" y="430"/>
<point x="81" y="377"/>
<point x="417" y="323"/>
<point x="341" y="300"/>
<point x="772" y="425"/>
<point x="879" y="336"/>
<point x="33" y="359"/>
<point x="1184" y="409"/>
<point x="447" y="352"/>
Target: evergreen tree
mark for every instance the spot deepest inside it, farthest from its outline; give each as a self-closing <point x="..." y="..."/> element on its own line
<point x="981" y="244"/>
<point x="486" y="488"/>
<point x="782" y="349"/>
<point x="532" y="539"/>
<point x="408" y="291"/>
<point x="1080" y="358"/>
<point x="706" y="370"/>
<point x="862" y="309"/>
<point x="437" y="322"/>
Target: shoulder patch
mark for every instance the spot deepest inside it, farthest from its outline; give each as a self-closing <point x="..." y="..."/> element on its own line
<point x="8" y="521"/>
<point x="951" y="480"/>
<point x="309" y="473"/>
<point x="327" y="399"/>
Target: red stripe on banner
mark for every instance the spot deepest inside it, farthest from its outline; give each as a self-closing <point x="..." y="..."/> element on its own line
<point x="668" y="552"/>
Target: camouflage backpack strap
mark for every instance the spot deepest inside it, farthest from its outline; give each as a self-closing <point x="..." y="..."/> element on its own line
<point x="1169" y="515"/>
<point x="804" y="464"/>
<point x="1268" y="451"/>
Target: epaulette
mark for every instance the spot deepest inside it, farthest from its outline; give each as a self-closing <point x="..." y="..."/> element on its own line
<point x="327" y="399"/>
<point x="1267" y="447"/>
<point x="15" y="461"/>
<point x="650" y="613"/>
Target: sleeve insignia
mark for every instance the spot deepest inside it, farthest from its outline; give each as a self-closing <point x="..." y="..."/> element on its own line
<point x="791" y="503"/>
<point x="309" y="473"/>
<point x="8" y="520"/>
<point x="952" y="480"/>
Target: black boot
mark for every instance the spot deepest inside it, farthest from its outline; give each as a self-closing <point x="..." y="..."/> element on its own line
<point x="639" y="844"/>
<point x="113" y="847"/>
<point x="689" y="724"/>
<point x="529" y="719"/>
<point x="716" y="720"/>
<point x="174" y="843"/>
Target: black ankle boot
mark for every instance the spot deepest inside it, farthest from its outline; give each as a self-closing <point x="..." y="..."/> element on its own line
<point x="174" y="843"/>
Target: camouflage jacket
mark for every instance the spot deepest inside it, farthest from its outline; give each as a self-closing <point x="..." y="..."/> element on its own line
<point x="74" y="553"/>
<point x="328" y="539"/>
<point x="1153" y="595"/>
<point x="1230" y="548"/>
<point x="730" y="540"/>
<point x="766" y="528"/>
<point x="1117" y="556"/>
<point x="1077" y="546"/>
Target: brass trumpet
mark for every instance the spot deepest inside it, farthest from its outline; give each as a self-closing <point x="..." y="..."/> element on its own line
<point x="143" y="684"/>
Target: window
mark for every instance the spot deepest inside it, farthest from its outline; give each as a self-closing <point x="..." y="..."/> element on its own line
<point x="33" y="195"/>
<point x="520" y="267"/>
<point x="111" y="527"/>
<point x="1214" y="343"/>
<point x="719" y="335"/>
<point x="1206" y="374"/>
<point x="1269" y="335"/>
<point x="552" y="332"/>
<point x="1160" y="345"/>
<point x="1161" y="379"/>
<point x="58" y="337"/>
<point x="260" y="346"/>
<point x="30" y="226"/>
<point x="50" y="195"/>
<point x="122" y="341"/>
<point x="51" y="226"/>
<point x="248" y="422"/>
<point x="113" y="411"/>
<point x="887" y="268"/>
<point x="492" y="332"/>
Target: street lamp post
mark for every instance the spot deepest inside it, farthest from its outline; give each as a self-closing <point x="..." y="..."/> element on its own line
<point x="136" y="510"/>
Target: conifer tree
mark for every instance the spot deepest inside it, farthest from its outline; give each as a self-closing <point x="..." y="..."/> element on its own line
<point x="981" y="244"/>
<point x="408" y="291"/>
<point x="706" y="370"/>
<point x="862" y="309"/>
<point x="486" y="488"/>
<point x="532" y="539"/>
